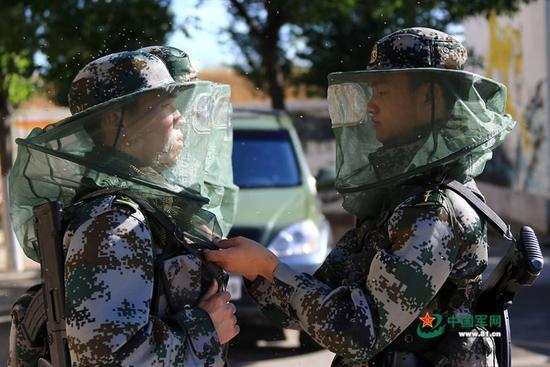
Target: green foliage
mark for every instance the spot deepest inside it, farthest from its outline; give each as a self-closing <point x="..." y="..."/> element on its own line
<point x="69" y="34"/>
<point x="263" y="20"/>
<point x="17" y="46"/>
<point x="338" y="35"/>
<point x="344" y="43"/>
<point x="16" y="81"/>
<point x="74" y="32"/>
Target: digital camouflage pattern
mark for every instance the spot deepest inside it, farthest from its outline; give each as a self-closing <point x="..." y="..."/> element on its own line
<point x="382" y="276"/>
<point x="116" y="76"/>
<point x="418" y="48"/>
<point x="417" y="248"/>
<point x="21" y="352"/>
<point x="110" y="284"/>
<point x="177" y="61"/>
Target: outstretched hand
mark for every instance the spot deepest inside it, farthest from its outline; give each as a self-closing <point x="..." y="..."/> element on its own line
<point x="244" y="257"/>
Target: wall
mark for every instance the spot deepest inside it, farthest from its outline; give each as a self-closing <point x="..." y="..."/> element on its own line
<point x="513" y="50"/>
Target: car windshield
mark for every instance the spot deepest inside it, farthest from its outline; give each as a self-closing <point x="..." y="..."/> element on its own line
<point x="264" y="158"/>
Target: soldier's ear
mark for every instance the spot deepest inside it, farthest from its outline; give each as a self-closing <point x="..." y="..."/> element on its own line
<point x="112" y="117"/>
<point x="432" y="92"/>
<point x="428" y="92"/>
<point x="110" y="125"/>
<point x="439" y="100"/>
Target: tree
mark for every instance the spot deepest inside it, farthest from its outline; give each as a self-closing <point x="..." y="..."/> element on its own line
<point x="266" y="64"/>
<point x="72" y="33"/>
<point x="16" y="66"/>
<point x="338" y="35"/>
<point x="69" y="34"/>
<point x="345" y="43"/>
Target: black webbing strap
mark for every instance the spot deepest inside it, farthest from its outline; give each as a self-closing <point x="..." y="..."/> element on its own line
<point x="483" y="209"/>
<point x="164" y="220"/>
<point x="153" y="212"/>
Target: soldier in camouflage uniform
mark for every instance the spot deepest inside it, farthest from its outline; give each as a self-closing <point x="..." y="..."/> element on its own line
<point x="110" y="248"/>
<point x="132" y="296"/>
<point x="412" y="120"/>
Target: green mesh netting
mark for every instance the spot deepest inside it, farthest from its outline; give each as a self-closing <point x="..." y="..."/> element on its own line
<point x="173" y="148"/>
<point x="218" y="179"/>
<point x="393" y="125"/>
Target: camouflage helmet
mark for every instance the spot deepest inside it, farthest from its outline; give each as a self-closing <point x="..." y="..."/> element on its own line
<point x="418" y="48"/>
<point x="177" y="61"/>
<point x="116" y="77"/>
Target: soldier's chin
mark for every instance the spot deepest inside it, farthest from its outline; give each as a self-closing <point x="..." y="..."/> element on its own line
<point x="168" y="159"/>
<point x="379" y="134"/>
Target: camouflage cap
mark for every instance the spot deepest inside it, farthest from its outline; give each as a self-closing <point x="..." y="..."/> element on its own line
<point x="118" y="76"/>
<point x="418" y="48"/>
<point x="177" y="61"/>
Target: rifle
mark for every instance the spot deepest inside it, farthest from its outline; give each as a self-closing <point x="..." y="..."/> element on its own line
<point x="47" y="227"/>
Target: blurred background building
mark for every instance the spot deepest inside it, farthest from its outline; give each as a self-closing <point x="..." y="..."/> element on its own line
<point x="514" y="50"/>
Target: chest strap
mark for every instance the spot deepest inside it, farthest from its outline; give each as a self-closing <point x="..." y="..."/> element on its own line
<point x="171" y="228"/>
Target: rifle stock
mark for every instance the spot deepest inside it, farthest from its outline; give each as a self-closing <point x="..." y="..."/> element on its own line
<point x="47" y="226"/>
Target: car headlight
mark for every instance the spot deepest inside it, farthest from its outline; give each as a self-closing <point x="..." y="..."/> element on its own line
<point x="301" y="238"/>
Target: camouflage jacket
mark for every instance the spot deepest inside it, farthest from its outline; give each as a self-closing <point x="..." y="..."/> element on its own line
<point x="110" y="285"/>
<point x="382" y="276"/>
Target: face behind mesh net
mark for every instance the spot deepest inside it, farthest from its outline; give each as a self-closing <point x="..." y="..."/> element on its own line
<point x="162" y="145"/>
<point x="391" y="126"/>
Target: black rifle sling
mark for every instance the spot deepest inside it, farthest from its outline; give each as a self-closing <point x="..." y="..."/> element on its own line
<point x="449" y="288"/>
<point x="483" y="209"/>
<point x="164" y="220"/>
<point x="153" y="212"/>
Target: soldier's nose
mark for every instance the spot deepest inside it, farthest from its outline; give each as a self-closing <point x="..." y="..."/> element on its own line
<point x="178" y="119"/>
<point x="372" y="108"/>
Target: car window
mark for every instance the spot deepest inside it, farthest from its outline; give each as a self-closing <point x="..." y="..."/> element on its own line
<point x="264" y="158"/>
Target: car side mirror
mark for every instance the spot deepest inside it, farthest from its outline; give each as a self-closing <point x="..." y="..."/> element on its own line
<point x="326" y="177"/>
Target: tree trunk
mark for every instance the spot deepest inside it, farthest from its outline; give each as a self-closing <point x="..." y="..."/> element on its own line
<point x="13" y="257"/>
<point x="274" y="77"/>
<point x="5" y="141"/>
<point x="269" y="48"/>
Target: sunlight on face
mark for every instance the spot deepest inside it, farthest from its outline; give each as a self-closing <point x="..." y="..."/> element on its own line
<point x="395" y="108"/>
<point x="152" y="133"/>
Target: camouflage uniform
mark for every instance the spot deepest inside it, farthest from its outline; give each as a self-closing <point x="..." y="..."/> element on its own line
<point x="110" y="285"/>
<point x="424" y="251"/>
<point x="382" y="276"/>
<point x="416" y="48"/>
<point x="116" y="264"/>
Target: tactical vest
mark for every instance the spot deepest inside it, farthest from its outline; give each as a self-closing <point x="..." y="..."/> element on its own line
<point x="29" y="339"/>
<point x="520" y="267"/>
<point x="449" y="298"/>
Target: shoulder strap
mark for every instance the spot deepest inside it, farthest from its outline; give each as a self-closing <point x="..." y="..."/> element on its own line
<point x="483" y="209"/>
<point x="150" y="211"/>
<point x="172" y="229"/>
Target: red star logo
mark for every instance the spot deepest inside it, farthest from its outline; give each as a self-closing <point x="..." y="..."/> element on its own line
<point x="427" y="320"/>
